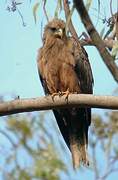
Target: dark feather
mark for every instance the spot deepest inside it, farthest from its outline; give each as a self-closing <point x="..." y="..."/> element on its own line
<point x="62" y="125"/>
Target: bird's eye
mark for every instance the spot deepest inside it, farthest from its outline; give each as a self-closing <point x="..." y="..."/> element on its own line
<point x="53" y="29"/>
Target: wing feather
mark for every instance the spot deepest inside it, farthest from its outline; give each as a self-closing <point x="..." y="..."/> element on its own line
<point x="83" y="71"/>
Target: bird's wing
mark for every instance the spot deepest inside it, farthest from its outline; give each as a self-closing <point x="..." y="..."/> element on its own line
<point x="79" y="119"/>
<point x="82" y="67"/>
<point x="83" y="71"/>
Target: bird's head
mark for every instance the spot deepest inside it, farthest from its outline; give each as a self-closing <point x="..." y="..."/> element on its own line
<point x="55" y="28"/>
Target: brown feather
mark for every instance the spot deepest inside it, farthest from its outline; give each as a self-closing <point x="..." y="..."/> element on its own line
<point x="63" y="64"/>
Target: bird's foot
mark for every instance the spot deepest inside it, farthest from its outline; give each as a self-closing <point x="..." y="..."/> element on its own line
<point x="66" y="93"/>
<point x="56" y="94"/>
<point x="61" y="93"/>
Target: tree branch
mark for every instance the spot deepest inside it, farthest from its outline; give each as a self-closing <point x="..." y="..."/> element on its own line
<point x="109" y="43"/>
<point x="46" y="103"/>
<point x="67" y="14"/>
<point x="107" y="58"/>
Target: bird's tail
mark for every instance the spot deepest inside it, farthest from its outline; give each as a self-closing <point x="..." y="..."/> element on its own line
<point x="78" y="135"/>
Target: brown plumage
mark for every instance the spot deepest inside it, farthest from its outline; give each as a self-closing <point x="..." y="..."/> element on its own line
<point x="63" y="64"/>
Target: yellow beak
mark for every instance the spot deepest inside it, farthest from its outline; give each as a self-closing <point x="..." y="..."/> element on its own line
<point x="59" y="33"/>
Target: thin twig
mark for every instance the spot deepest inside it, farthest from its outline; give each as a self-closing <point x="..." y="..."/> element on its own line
<point x="20" y="14"/>
<point x="111" y="8"/>
<point x="44" y="9"/>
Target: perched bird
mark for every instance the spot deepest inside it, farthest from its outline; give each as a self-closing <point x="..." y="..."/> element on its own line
<point x="64" y="67"/>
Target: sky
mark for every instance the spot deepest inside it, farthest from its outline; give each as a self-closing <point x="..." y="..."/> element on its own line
<point x="18" y="50"/>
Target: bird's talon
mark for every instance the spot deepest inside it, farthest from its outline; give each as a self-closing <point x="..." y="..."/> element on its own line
<point x="66" y="98"/>
<point x="56" y="94"/>
<point x="53" y="95"/>
<point x="66" y="93"/>
<point x="60" y="93"/>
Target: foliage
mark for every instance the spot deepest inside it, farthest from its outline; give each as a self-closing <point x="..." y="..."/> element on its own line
<point x="35" y="8"/>
<point x="30" y="151"/>
<point x="104" y="135"/>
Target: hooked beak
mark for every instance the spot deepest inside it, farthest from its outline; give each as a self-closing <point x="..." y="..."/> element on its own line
<point x="59" y="33"/>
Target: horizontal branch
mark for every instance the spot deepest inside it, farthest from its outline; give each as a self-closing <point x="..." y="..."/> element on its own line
<point x="46" y="103"/>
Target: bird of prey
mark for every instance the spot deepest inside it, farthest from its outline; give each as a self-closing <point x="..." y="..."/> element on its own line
<point x="63" y="66"/>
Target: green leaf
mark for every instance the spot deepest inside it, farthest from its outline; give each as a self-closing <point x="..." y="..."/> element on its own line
<point x="35" y="8"/>
<point x="58" y="8"/>
<point x="114" y="51"/>
<point x="24" y="175"/>
<point x="21" y="126"/>
<point x="88" y="4"/>
<point x="48" y="165"/>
